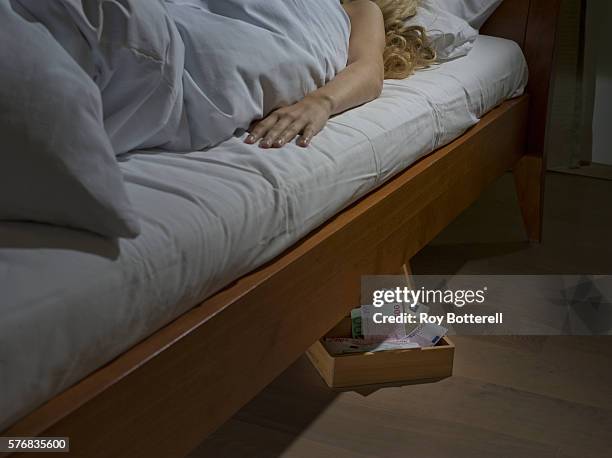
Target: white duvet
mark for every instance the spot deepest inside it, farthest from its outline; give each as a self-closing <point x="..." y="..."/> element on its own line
<point x="185" y="75"/>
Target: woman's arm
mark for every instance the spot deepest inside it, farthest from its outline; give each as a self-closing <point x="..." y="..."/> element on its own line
<point x="360" y="82"/>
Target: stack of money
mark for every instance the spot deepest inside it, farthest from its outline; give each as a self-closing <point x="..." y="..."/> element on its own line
<point x="345" y="345"/>
<point x="368" y="336"/>
<point x="357" y="331"/>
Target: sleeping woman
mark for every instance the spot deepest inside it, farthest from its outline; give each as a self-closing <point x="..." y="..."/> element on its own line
<point x="380" y="46"/>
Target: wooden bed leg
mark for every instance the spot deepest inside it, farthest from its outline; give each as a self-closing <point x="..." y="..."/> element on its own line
<point x="529" y="181"/>
<point x="407" y="271"/>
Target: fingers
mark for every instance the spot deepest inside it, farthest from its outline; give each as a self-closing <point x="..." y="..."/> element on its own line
<point x="290" y="133"/>
<point x="271" y="129"/>
<point x="281" y="127"/>
<point x="309" y="131"/>
<point x="261" y="128"/>
<point x="274" y="136"/>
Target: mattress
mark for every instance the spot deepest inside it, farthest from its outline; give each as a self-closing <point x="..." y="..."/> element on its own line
<point x="71" y="301"/>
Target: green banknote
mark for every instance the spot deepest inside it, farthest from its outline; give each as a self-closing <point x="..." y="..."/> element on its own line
<point x="356" y="327"/>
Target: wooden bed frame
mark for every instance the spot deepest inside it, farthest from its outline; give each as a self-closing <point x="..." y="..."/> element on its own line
<point x="166" y="394"/>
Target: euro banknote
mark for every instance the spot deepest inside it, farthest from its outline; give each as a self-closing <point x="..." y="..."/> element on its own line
<point x="345" y="345"/>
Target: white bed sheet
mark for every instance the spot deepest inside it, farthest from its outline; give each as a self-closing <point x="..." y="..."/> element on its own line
<point x="71" y="301"/>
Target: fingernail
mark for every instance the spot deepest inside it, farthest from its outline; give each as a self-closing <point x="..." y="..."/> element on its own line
<point x="264" y="144"/>
<point x="279" y="143"/>
<point x="250" y="139"/>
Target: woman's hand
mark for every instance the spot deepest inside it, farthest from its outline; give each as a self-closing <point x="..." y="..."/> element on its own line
<point x="305" y="118"/>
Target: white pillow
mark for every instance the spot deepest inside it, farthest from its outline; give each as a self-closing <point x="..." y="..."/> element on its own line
<point x="475" y="12"/>
<point x="57" y="165"/>
<point x="450" y="36"/>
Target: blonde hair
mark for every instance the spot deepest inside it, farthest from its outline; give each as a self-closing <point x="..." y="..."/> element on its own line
<point x="407" y="46"/>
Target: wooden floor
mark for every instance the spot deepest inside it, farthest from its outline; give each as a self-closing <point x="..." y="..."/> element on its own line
<point x="509" y="396"/>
